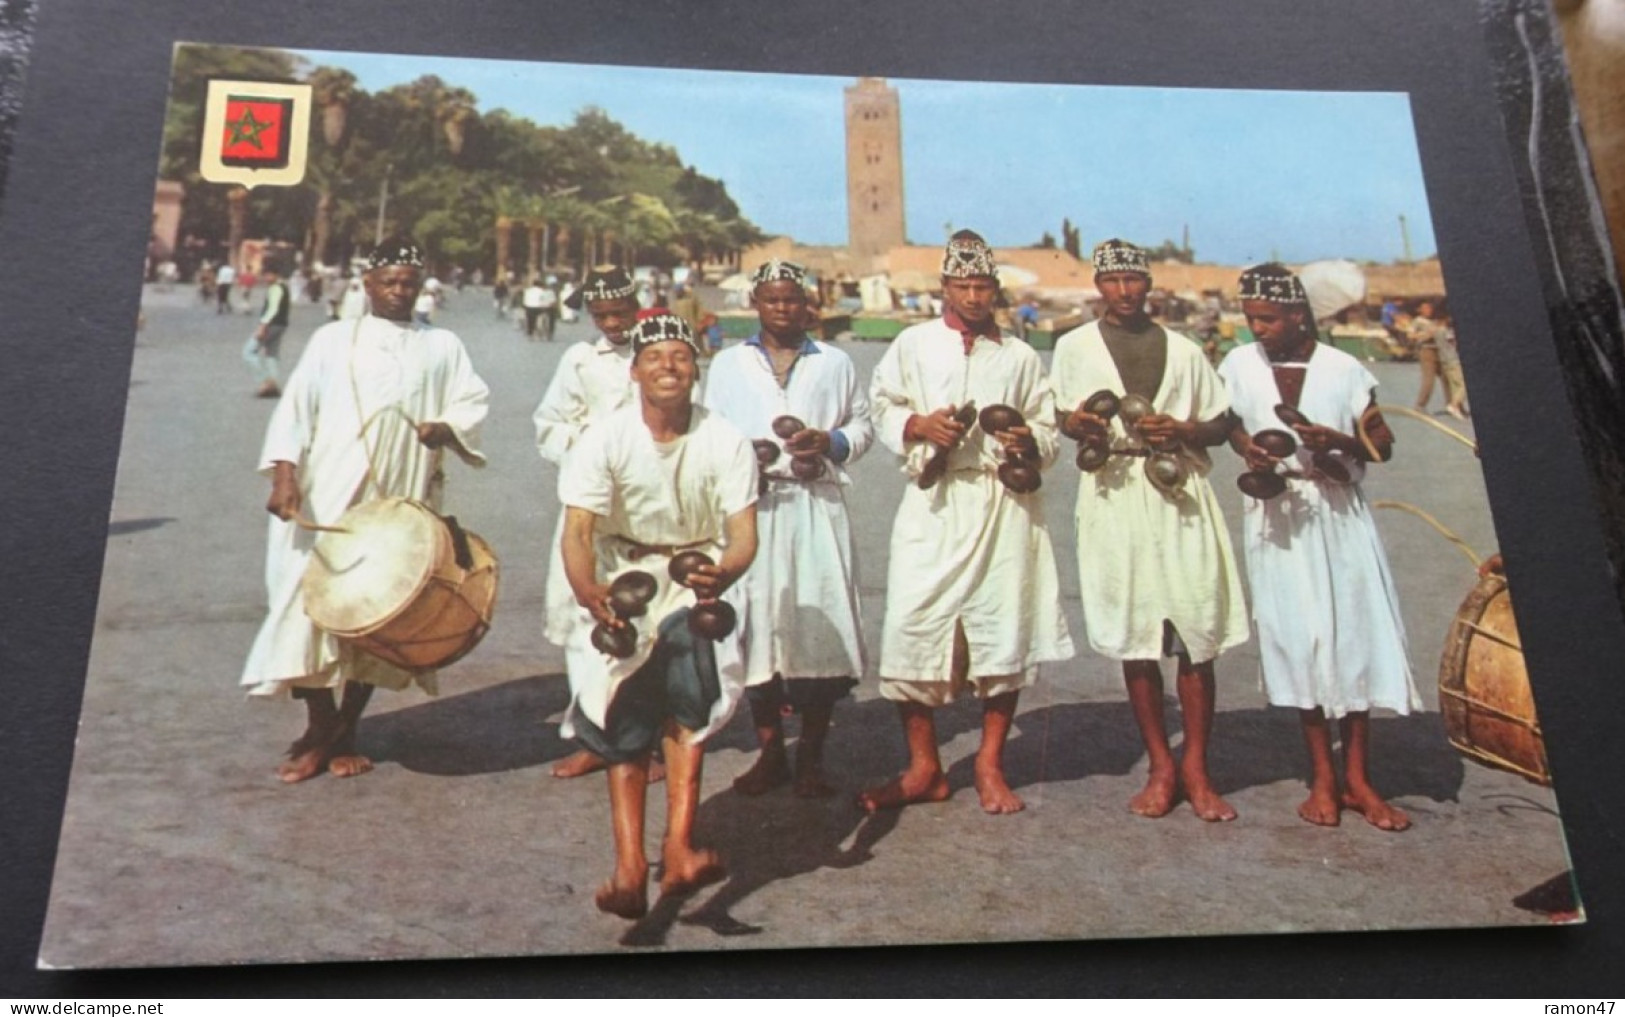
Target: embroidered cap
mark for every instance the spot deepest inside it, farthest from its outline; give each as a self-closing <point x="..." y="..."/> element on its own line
<point x="396" y="250"/>
<point x="777" y="270"/>
<point x="658" y="325"/>
<point x="1272" y="282"/>
<point x="1116" y="255"/>
<point x="968" y="256"/>
<point x="604" y="282"/>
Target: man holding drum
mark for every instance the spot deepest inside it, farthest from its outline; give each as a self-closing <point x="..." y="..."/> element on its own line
<point x="1330" y="636"/>
<point x="648" y="491"/>
<point x="1156" y="574"/>
<point x="807" y="412"/>
<point x="366" y="414"/>
<point x="973" y="602"/>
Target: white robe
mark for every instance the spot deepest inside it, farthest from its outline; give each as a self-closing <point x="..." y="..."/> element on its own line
<point x="677" y="493"/>
<point x="1329" y="627"/>
<point x="403" y="375"/>
<point x="803" y="619"/>
<point x="1144" y="556"/>
<point x="966" y="551"/>
<point x="592" y="381"/>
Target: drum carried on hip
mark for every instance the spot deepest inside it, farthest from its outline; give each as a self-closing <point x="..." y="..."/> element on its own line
<point x="1484" y="694"/>
<point x="397" y="580"/>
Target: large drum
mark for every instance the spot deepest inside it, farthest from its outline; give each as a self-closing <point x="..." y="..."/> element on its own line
<point x="402" y="583"/>
<point x="1489" y="711"/>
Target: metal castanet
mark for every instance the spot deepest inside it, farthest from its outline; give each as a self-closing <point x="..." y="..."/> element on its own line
<point x="1167" y="472"/>
<point x="1020" y="472"/>
<point x="619" y="642"/>
<point x="685" y="562"/>
<point x="1132" y="408"/>
<point x="1093" y="453"/>
<point x="712" y="619"/>
<point x="1276" y="442"/>
<point x="1020" y="477"/>
<point x="809" y="467"/>
<point x="1261" y="484"/>
<point x="937" y="465"/>
<point x="1291" y="416"/>
<point x="999" y="417"/>
<point x="630" y="593"/>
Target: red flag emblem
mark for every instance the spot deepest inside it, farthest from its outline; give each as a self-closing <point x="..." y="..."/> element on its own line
<point x="256" y="132"/>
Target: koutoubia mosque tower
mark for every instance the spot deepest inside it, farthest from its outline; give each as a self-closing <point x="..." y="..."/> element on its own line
<point x="874" y="170"/>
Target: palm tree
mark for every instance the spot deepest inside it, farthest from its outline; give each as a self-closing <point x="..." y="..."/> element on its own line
<point x="334" y="90"/>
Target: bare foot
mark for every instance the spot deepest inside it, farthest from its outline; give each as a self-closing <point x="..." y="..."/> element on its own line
<point x="997" y="798"/>
<point x="907" y="788"/>
<point x="1321" y="807"/>
<point x="624" y="899"/>
<point x="311" y="762"/>
<point x="1157" y="798"/>
<point x="1377" y="812"/>
<point x="578" y="764"/>
<point x="770" y="770"/>
<point x="1205" y="802"/>
<point x="351" y="764"/>
<point x="687" y="870"/>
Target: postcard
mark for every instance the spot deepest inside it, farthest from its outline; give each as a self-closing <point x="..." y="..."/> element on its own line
<point x="460" y="843"/>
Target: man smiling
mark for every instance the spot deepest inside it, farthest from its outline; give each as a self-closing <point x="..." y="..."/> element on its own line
<point x="649" y="482"/>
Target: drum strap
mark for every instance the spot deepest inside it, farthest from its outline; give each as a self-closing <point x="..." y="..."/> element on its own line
<point x="459" y="543"/>
<point x="367" y="422"/>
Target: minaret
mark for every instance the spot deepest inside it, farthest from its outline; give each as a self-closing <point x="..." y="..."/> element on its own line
<point x="874" y="169"/>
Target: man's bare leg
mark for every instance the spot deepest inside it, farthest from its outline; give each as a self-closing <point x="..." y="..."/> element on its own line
<point x="1143" y="678"/>
<point x="685" y="868"/>
<point x="924" y="780"/>
<point x="998" y="712"/>
<point x="810" y="782"/>
<point x="626" y="893"/>
<point x="772" y="766"/>
<point x="307" y="756"/>
<point x="343" y="760"/>
<point x="1321" y="807"/>
<point x="1196" y="702"/>
<point x="584" y="761"/>
<point x="578" y="764"/>
<point x="1358" y="794"/>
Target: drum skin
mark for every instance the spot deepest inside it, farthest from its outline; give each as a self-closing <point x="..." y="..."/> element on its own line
<point x="1484" y="694"/>
<point x="390" y="585"/>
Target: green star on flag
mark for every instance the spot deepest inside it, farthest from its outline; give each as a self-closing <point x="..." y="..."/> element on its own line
<point x="246" y="130"/>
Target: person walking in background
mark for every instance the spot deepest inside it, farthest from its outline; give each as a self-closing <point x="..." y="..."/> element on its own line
<point x="223" y="280"/>
<point x="264" y="346"/>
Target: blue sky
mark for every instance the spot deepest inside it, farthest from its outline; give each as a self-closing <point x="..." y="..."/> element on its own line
<point x="1253" y="174"/>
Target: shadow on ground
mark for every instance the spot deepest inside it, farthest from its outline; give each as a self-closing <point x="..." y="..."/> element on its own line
<point x="492" y="730"/>
<point x="778" y="836"/>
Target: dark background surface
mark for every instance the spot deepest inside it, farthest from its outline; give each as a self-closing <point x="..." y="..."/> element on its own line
<point x="1513" y="232"/>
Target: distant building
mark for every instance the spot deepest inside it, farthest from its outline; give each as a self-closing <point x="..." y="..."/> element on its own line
<point x="874" y="170"/>
<point x="166" y="217"/>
